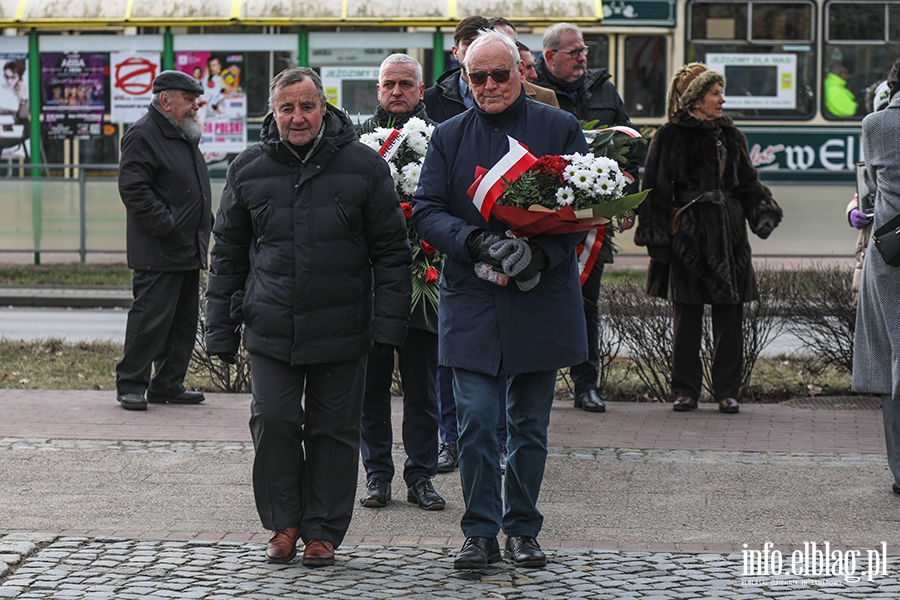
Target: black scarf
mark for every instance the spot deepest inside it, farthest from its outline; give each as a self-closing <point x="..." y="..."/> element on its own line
<point x="569" y="87"/>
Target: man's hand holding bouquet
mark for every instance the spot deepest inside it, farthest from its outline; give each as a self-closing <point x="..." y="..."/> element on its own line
<point x="544" y="196"/>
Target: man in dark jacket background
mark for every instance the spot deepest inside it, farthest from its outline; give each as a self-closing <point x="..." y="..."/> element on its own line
<point x="491" y="336"/>
<point x="164" y="184"/>
<point x="590" y="96"/>
<point x="400" y="89"/>
<point x="312" y="255"/>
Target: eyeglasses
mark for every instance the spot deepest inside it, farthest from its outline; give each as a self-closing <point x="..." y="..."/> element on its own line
<point x="574" y="53"/>
<point x="480" y="77"/>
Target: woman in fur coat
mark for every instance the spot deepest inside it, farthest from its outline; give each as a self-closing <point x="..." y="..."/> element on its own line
<point x="704" y="192"/>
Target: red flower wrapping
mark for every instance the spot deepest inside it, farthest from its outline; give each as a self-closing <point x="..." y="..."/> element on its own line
<point x="431" y="275"/>
<point x="407" y="209"/>
<point x="426" y="248"/>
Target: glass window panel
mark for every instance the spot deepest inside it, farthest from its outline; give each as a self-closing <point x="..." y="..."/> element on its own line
<point x="645" y="75"/>
<point x="718" y="21"/>
<point x="806" y="78"/>
<point x="864" y="66"/>
<point x="792" y="21"/>
<point x="855" y="21"/>
<point x="598" y="56"/>
<point x="894" y="22"/>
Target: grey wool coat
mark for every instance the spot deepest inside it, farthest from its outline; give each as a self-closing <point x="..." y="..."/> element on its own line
<point x="876" y="356"/>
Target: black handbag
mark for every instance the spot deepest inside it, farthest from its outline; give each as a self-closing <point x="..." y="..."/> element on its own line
<point x="887" y="239"/>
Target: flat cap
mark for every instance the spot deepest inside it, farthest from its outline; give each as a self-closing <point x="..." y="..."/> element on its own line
<point x="176" y="80"/>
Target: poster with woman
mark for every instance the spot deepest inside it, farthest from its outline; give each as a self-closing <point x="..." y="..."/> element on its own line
<point x="223" y="106"/>
<point x="73" y="90"/>
<point x="14" y="108"/>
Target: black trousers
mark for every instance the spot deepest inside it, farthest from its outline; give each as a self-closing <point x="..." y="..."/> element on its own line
<point x="728" y="351"/>
<point x="304" y="421"/>
<point x="585" y="375"/>
<point x="418" y="370"/>
<point x="160" y="333"/>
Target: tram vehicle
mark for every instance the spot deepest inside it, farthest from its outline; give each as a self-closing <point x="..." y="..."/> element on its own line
<point x="782" y="60"/>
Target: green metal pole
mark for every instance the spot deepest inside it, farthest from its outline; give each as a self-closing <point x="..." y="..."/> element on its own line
<point x="303" y="49"/>
<point x="168" y="50"/>
<point x="34" y="94"/>
<point x="438" y="58"/>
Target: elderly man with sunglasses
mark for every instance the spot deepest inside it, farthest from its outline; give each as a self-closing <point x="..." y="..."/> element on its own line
<point x="590" y="96"/>
<point x="515" y="336"/>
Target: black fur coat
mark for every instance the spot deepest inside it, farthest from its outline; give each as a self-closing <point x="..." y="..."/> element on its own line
<point x="707" y="259"/>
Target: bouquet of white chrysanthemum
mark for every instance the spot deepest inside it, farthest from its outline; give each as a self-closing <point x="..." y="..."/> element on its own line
<point x="404" y="150"/>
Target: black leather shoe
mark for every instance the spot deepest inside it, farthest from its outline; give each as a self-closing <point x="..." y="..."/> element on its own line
<point x="895" y="488"/>
<point x="421" y="492"/>
<point x="524" y="551"/>
<point x="132" y="401"/>
<point x="504" y="455"/>
<point x="590" y="401"/>
<point x="477" y="553"/>
<point x="448" y="458"/>
<point x="378" y="492"/>
<point x="185" y="397"/>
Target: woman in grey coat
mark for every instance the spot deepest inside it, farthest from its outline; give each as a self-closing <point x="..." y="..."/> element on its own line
<point x="876" y="357"/>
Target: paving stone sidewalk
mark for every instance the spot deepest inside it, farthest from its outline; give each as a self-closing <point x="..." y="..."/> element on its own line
<point x="98" y="503"/>
<point x="76" y="568"/>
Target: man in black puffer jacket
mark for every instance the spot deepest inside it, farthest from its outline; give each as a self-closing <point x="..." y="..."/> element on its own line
<point x="311" y="253"/>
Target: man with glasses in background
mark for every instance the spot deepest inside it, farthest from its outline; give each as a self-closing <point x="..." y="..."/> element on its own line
<point x="590" y="96"/>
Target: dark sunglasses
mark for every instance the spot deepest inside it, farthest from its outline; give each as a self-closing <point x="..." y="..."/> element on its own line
<point x="480" y="77"/>
<point x="574" y="53"/>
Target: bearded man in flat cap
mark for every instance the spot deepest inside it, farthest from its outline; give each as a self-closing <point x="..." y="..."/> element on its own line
<point x="164" y="184"/>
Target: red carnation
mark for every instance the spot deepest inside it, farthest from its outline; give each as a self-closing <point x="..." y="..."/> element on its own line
<point x="426" y="248"/>
<point x="431" y="275"/>
<point x="579" y="249"/>
<point x="407" y="209"/>
<point x="551" y="166"/>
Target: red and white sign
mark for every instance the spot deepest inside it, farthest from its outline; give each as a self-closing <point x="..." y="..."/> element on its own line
<point x="131" y="78"/>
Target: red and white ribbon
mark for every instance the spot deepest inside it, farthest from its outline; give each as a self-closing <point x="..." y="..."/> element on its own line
<point x="391" y="144"/>
<point x="489" y="185"/>
<point x="622" y="129"/>
<point x="589" y="253"/>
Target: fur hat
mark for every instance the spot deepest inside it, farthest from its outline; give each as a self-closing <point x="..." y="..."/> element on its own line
<point x="176" y="80"/>
<point x="689" y="85"/>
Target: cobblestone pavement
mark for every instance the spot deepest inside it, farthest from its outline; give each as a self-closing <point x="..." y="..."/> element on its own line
<point x="102" y="567"/>
<point x="76" y="568"/>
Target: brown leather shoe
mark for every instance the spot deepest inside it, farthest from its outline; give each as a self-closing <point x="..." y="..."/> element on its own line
<point x="685" y="403"/>
<point x="729" y="405"/>
<point x="318" y="553"/>
<point x="282" y="546"/>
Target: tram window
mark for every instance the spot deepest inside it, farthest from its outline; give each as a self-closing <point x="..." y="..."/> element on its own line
<point x="856" y="21"/>
<point x="718" y="21"/>
<point x="598" y="57"/>
<point x="782" y="22"/>
<point x="645" y="75"/>
<point x="852" y="64"/>
<point x="894" y="22"/>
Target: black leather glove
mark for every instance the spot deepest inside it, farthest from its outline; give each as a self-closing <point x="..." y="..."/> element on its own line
<point x="766" y="226"/>
<point x="479" y="243"/>
<point x="227" y="357"/>
<point x="381" y="350"/>
<point x="660" y="254"/>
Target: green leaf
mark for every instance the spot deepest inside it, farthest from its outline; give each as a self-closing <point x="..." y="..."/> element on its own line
<point x="618" y="206"/>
